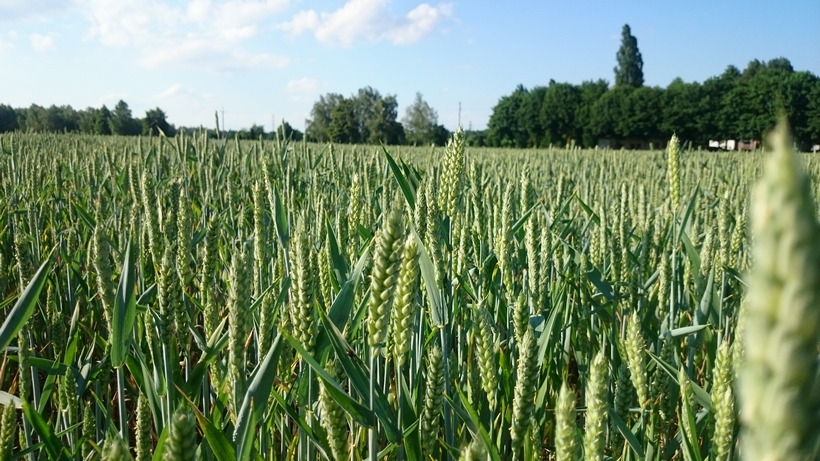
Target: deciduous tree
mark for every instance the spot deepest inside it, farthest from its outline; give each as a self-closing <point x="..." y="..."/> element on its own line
<point x="420" y="122"/>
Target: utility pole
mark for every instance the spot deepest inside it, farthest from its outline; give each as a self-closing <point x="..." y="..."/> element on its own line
<point x="459" y="113"/>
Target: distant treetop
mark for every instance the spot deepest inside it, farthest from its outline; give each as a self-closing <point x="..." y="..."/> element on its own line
<point x="629" y="71"/>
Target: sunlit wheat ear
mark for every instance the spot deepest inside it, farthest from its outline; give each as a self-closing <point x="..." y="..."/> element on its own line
<point x="594" y="437"/>
<point x="303" y="311"/>
<point x="474" y="451"/>
<point x="239" y="318"/>
<point x="566" y="431"/>
<point x="505" y="239"/>
<point x="144" y="419"/>
<point x="673" y="151"/>
<point x="636" y="359"/>
<point x="723" y="404"/>
<point x="780" y="406"/>
<point x="406" y="302"/>
<point x="209" y="257"/>
<point x="525" y="387"/>
<point x="332" y="415"/>
<point x="521" y="316"/>
<point x="623" y="398"/>
<point x="88" y="431"/>
<point x="666" y="385"/>
<point x="433" y="397"/>
<point x="487" y="350"/>
<point x="8" y="428"/>
<point x="386" y="262"/>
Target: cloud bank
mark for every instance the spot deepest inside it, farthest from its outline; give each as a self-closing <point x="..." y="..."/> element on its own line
<point x="369" y="20"/>
<point x="197" y="33"/>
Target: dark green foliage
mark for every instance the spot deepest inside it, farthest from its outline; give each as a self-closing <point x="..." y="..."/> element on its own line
<point x="734" y="105"/>
<point x="122" y="122"/>
<point x="629" y="71"/>
<point x="505" y="128"/>
<point x="366" y="117"/>
<point x="8" y="119"/>
<point x="342" y="128"/>
<point x="155" y="122"/>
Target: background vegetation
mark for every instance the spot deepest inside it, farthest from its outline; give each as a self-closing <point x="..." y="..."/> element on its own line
<point x="733" y="105"/>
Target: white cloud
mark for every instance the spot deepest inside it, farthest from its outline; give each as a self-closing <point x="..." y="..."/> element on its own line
<point x="41" y="42"/>
<point x="418" y="23"/>
<point x="302" y="89"/>
<point x="368" y="20"/>
<point x="195" y="33"/>
<point x="303" y="21"/>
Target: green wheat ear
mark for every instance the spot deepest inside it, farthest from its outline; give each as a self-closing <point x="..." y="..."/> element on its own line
<point x="181" y="443"/>
<point x="780" y="409"/>
<point x="115" y="449"/>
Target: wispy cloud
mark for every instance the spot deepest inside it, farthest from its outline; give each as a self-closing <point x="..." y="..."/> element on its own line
<point x="369" y="20"/>
<point x="170" y="91"/>
<point x="203" y="34"/>
<point x="16" y="10"/>
<point x="41" y="42"/>
<point x="5" y="45"/>
<point x="302" y="89"/>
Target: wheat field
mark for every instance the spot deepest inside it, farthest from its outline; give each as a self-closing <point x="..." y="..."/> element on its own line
<point x="193" y="298"/>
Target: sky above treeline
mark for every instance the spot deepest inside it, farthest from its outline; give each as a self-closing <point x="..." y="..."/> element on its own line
<point x="264" y="60"/>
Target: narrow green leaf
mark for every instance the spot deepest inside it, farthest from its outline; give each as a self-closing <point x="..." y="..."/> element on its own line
<point x="689" y="208"/>
<point x="84" y="216"/>
<point x="340" y="269"/>
<point x="358" y="412"/>
<point x="280" y="218"/>
<point x="683" y="331"/>
<point x="50" y="367"/>
<point x="470" y="417"/>
<point x="523" y="219"/>
<point x="124" y="311"/>
<point x="25" y="305"/>
<point x="597" y="279"/>
<point x="55" y="448"/>
<point x="258" y="391"/>
<point x="407" y="190"/>
<point x="356" y="371"/>
<point x="428" y="274"/>
<point x="303" y="426"/>
<point x="159" y="450"/>
<point x="222" y="447"/>
<point x="626" y="432"/>
<point x="244" y="445"/>
<point x="701" y="396"/>
<point x="148" y="295"/>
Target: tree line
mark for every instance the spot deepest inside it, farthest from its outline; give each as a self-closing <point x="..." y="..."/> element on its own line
<point x="103" y="121"/>
<point x="733" y="105"/>
<point x="366" y="117"/>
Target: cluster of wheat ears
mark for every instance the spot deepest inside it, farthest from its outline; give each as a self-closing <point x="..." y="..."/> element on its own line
<point x="192" y="298"/>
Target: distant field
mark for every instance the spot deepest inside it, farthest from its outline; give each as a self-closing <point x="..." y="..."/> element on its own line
<point x="295" y="300"/>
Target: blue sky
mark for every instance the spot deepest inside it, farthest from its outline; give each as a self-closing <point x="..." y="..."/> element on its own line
<point x="260" y="59"/>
